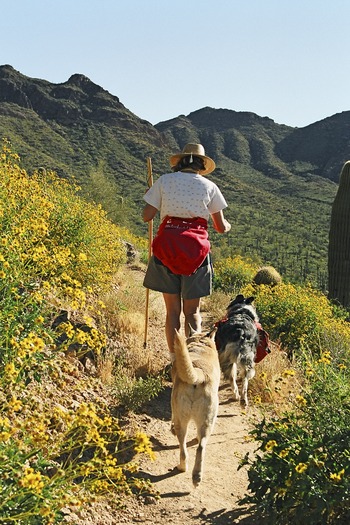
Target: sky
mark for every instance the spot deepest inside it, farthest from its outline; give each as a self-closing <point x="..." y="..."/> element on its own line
<point x="283" y="59"/>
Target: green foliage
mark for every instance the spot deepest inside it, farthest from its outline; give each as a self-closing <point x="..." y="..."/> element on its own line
<point x="232" y="274"/>
<point x="133" y="394"/>
<point x="103" y="189"/>
<point x="57" y="252"/>
<point x="302" y="472"/>
<point x="296" y="316"/>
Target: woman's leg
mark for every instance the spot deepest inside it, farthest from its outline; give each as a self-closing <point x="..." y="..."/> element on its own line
<point x="191" y="308"/>
<point x="173" y="313"/>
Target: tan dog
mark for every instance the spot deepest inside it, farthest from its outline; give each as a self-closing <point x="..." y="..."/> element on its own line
<point x="196" y="377"/>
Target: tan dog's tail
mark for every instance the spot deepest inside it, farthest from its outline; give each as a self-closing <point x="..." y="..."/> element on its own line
<point x="184" y="366"/>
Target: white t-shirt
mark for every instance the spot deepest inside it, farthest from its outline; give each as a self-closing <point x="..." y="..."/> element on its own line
<point x="182" y="194"/>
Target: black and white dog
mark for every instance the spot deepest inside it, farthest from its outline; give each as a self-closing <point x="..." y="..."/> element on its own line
<point x="236" y="339"/>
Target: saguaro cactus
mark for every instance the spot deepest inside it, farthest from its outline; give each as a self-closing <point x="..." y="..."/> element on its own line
<point x="339" y="242"/>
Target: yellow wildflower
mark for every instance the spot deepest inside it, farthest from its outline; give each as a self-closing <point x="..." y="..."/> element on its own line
<point x="301" y="400"/>
<point x="337" y="477"/>
<point x="4" y="436"/>
<point x="10" y="371"/>
<point x="301" y="467"/>
<point x="270" y="445"/>
<point x="32" y="480"/>
<point x="15" y="404"/>
<point x="143" y="444"/>
<point x="80" y="337"/>
<point x="288" y="373"/>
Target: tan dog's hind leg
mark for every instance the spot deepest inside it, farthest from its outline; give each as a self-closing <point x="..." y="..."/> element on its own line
<point x="197" y="472"/>
<point x="204" y="431"/>
<point x="181" y="433"/>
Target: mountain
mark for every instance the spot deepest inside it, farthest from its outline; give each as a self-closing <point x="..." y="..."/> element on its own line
<point x="279" y="181"/>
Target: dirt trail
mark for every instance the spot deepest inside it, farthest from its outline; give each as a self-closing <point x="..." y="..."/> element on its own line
<point x="215" y="500"/>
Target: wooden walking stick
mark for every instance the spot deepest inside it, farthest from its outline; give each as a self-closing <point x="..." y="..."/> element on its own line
<point x="150" y="239"/>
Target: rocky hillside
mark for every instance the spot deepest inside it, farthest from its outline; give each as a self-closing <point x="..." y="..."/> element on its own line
<point x="279" y="181"/>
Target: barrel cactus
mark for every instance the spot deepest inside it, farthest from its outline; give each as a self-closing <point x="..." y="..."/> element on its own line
<point x="267" y="275"/>
<point x="339" y="242"/>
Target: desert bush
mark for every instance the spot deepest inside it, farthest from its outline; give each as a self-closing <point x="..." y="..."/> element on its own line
<point x="57" y="252"/>
<point x="301" y="471"/>
<point x="52" y="256"/>
<point x="232" y="274"/>
<point x="296" y="316"/>
<point x="134" y="393"/>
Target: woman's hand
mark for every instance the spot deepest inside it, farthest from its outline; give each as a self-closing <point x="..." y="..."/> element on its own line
<point x="221" y="225"/>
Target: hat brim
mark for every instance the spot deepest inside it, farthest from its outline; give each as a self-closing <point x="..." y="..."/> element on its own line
<point x="209" y="164"/>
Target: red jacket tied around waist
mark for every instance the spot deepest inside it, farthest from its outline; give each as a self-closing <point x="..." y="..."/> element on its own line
<point x="182" y="244"/>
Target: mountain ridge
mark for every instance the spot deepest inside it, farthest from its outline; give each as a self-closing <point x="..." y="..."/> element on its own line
<point x="280" y="181"/>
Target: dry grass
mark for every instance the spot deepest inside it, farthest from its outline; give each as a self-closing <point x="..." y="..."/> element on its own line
<point x="125" y="318"/>
<point x="214" y="306"/>
<point x="276" y="382"/>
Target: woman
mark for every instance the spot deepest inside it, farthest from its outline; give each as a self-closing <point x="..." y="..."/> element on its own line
<point x="180" y="266"/>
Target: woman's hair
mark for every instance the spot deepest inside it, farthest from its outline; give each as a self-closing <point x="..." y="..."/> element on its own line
<point x="197" y="163"/>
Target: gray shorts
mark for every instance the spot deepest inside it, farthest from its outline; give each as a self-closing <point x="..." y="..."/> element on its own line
<point x="159" y="278"/>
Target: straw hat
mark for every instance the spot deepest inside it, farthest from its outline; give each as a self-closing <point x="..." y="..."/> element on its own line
<point x="196" y="150"/>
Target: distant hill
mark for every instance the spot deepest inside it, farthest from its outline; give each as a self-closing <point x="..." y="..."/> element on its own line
<point x="279" y="181"/>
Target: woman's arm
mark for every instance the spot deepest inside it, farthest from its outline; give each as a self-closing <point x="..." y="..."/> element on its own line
<point x="221" y="225"/>
<point x="148" y="213"/>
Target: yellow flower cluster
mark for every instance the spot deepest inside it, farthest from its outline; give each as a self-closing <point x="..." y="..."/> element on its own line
<point x="270" y="445"/>
<point x="94" y="339"/>
<point x="31" y="343"/>
<point x="301" y="467"/>
<point x="32" y="480"/>
<point x="5" y="429"/>
<point x="337" y="477"/>
<point x="143" y="445"/>
<point x="325" y="358"/>
<point x="234" y="273"/>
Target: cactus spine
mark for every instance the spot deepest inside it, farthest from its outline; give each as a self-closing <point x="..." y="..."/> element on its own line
<point x="339" y="242"/>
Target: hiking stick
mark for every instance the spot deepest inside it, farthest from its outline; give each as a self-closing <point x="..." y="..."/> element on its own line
<point x="150" y="238"/>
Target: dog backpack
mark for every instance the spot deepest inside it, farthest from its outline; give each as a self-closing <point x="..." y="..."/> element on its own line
<point x="262" y="350"/>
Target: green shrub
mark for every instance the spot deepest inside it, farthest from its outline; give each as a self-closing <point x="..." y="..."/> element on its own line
<point x="232" y="274"/>
<point x="296" y="316"/>
<point x="56" y="252"/>
<point x="301" y="473"/>
<point x="133" y="393"/>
